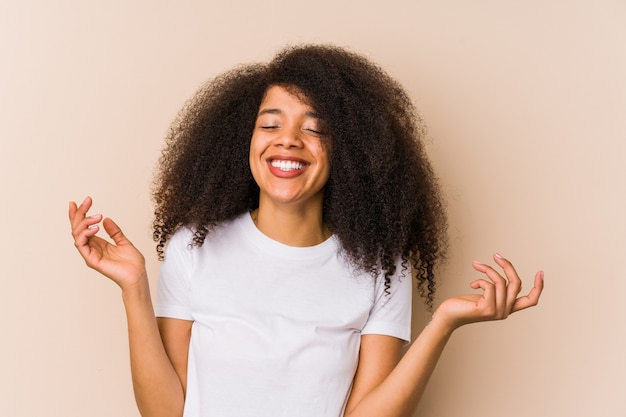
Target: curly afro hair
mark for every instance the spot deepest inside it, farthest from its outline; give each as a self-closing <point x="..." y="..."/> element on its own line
<point x="381" y="200"/>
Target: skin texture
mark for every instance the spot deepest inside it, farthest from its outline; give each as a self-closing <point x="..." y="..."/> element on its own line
<point x="293" y="121"/>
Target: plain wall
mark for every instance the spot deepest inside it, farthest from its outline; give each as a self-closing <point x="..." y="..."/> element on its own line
<point x="526" y="108"/>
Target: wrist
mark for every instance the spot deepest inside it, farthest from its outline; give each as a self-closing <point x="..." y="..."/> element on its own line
<point x="444" y="324"/>
<point x="139" y="288"/>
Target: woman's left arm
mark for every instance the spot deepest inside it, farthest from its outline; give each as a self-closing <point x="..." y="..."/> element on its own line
<point x="385" y="390"/>
<point x="378" y="356"/>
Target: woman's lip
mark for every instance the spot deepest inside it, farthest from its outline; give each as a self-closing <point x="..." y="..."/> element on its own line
<point x="286" y="158"/>
<point x="291" y="173"/>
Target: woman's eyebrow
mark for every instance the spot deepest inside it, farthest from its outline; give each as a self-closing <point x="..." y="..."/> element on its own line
<point x="279" y="111"/>
<point x="269" y="111"/>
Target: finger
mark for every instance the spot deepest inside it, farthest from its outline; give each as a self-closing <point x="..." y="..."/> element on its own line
<point x="86" y="227"/>
<point x="114" y="231"/>
<point x="84" y="206"/>
<point x="84" y="240"/>
<point x="72" y="211"/>
<point x="514" y="282"/>
<point x="83" y="227"/>
<point x="78" y="213"/>
<point x="532" y="298"/>
<point x="488" y="305"/>
<point x="73" y="216"/>
<point x="500" y="287"/>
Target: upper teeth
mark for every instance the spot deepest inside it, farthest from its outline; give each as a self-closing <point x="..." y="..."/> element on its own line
<point x="287" y="165"/>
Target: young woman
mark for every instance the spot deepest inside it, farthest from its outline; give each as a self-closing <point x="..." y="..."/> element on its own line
<point x="294" y="203"/>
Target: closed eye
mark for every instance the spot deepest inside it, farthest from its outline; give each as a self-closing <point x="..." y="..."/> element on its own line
<point x="315" y="132"/>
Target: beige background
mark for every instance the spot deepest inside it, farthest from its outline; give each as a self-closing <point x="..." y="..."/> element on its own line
<point x="526" y="104"/>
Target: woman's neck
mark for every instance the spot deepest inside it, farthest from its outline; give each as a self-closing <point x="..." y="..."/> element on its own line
<point x="291" y="226"/>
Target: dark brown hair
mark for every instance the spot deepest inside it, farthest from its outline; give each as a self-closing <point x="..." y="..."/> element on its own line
<point x="382" y="200"/>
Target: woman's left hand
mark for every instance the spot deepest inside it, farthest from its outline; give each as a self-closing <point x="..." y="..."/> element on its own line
<point x="500" y="297"/>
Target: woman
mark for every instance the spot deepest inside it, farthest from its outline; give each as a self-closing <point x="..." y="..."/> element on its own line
<point x="294" y="202"/>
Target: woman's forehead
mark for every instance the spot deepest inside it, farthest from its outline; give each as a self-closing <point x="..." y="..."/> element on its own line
<point x="278" y="96"/>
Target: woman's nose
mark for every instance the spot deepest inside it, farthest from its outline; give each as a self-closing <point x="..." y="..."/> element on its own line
<point x="289" y="138"/>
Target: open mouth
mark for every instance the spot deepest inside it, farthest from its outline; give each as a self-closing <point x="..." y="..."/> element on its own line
<point x="287" y="165"/>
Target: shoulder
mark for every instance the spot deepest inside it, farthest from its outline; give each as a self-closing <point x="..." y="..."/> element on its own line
<point x="184" y="236"/>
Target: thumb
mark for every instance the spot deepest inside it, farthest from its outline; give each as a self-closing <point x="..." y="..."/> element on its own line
<point x="114" y="231"/>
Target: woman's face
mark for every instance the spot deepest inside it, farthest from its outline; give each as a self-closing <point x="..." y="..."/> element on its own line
<point x="288" y="155"/>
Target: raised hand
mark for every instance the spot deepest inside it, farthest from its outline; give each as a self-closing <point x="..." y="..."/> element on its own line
<point x="500" y="296"/>
<point x="120" y="260"/>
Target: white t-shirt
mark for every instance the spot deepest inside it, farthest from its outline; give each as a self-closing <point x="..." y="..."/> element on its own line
<point x="276" y="328"/>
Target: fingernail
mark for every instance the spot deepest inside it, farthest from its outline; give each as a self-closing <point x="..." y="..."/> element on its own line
<point x="497" y="255"/>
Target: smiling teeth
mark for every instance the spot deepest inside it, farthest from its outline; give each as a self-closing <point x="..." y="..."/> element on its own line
<point x="287" y="165"/>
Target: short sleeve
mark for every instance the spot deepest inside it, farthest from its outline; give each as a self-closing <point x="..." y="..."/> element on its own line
<point x="391" y="313"/>
<point x="174" y="286"/>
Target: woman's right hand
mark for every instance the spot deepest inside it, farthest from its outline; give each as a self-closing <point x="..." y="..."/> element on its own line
<point x="120" y="260"/>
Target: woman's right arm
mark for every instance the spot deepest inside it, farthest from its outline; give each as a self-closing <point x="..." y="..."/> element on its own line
<point x="158" y="383"/>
